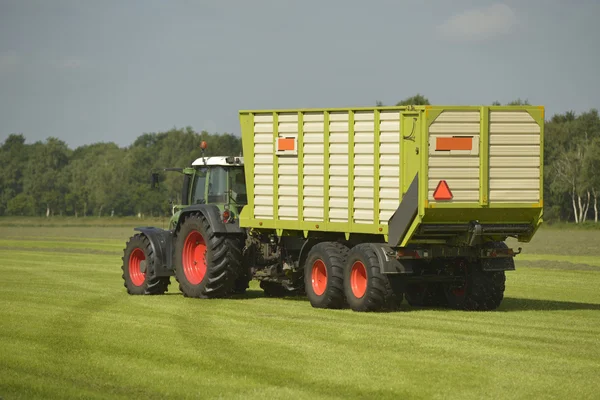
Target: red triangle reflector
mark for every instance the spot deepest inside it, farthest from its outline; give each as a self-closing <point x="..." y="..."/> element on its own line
<point x="442" y="192"/>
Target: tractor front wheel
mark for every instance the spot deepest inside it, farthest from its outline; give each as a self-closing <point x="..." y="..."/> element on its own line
<point x="137" y="261"/>
<point x="206" y="264"/>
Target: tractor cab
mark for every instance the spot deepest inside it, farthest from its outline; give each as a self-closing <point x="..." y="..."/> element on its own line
<point x="219" y="181"/>
<point x="213" y="183"/>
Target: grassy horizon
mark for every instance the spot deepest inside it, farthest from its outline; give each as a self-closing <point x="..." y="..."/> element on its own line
<point x="160" y="221"/>
<point x="68" y="329"/>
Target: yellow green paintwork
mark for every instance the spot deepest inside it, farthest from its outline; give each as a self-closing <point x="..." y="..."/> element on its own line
<point x="411" y="163"/>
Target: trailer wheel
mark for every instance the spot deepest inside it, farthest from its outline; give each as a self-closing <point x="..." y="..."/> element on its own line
<point x="324" y="275"/>
<point x="365" y="287"/>
<point x="137" y="257"/>
<point x="206" y="264"/>
<point x="478" y="291"/>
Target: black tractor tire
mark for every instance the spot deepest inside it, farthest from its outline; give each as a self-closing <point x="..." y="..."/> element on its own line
<point x="137" y="259"/>
<point x="425" y="295"/>
<point x="479" y="290"/>
<point x="324" y="275"/>
<point x="242" y="282"/>
<point x="206" y="264"/>
<point x="365" y="287"/>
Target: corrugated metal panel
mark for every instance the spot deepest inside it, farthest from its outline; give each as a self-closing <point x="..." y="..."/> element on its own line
<point x="389" y="164"/>
<point x="456" y="128"/>
<point x="505" y="162"/>
<point x="510" y="117"/>
<point x="461" y="171"/>
<point x="338" y="171"/>
<point x="287" y="190"/>
<point x="514" y="172"/>
<point x="515" y="139"/>
<point x="364" y="170"/>
<point x="514" y="157"/>
<point x="263" y="170"/>
<point x="515" y="196"/>
<point x="312" y="181"/>
<point x="458" y="117"/>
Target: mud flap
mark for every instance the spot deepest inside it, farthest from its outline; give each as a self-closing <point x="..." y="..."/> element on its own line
<point x="388" y="262"/>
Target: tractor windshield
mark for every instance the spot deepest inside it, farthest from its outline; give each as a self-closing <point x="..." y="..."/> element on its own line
<point x="217" y="186"/>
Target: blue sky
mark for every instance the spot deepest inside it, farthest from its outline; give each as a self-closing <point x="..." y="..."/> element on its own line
<point x="105" y="70"/>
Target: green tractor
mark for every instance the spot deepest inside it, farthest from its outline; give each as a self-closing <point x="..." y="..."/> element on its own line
<point x="204" y="247"/>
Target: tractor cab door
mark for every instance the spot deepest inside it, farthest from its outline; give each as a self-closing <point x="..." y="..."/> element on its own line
<point x="237" y="186"/>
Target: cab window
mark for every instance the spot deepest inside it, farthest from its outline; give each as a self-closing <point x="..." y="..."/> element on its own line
<point x="217" y="185"/>
<point x="199" y="189"/>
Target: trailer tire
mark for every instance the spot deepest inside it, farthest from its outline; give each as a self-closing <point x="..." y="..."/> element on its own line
<point x="137" y="255"/>
<point x="324" y="275"/>
<point x="479" y="291"/>
<point x="206" y="264"/>
<point x="365" y="287"/>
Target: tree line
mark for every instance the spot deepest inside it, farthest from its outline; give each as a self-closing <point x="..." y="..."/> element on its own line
<point x="48" y="178"/>
<point x="102" y="179"/>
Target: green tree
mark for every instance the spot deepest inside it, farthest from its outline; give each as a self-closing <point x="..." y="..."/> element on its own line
<point x="13" y="159"/>
<point x="518" y="102"/>
<point x="43" y="177"/>
<point x="591" y="164"/>
<point x="416" y="100"/>
<point x="22" y="204"/>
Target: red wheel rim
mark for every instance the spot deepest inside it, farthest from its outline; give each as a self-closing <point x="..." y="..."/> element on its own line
<point x="194" y="257"/>
<point x="135" y="270"/>
<point x="358" y="279"/>
<point x="319" y="277"/>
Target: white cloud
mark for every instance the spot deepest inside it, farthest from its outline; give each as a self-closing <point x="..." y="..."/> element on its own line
<point x="9" y="61"/>
<point x="479" y="24"/>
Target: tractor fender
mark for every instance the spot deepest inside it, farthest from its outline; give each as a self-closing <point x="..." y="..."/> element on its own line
<point x="161" y="242"/>
<point x="212" y="213"/>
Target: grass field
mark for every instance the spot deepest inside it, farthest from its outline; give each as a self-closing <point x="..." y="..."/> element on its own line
<point x="68" y="329"/>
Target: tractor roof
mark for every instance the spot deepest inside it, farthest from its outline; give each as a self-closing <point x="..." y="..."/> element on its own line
<point x="220" y="161"/>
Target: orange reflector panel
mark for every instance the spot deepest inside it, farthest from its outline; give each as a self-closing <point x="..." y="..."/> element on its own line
<point x="442" y="192"/>
<point x="454" y="143"/>
<point x="284" y="144"/>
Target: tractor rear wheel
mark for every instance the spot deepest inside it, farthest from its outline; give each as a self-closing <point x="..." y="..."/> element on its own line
<point x="324" y="275"/>
<point x="137" y="259"/>
<point x="206" y="264"/>
<point x="365" y="287"/>
<point x="478" y="291"/>
<point x="244" y="275"/>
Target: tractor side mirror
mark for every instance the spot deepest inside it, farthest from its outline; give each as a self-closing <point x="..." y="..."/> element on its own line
<point x="154" y="180"/>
